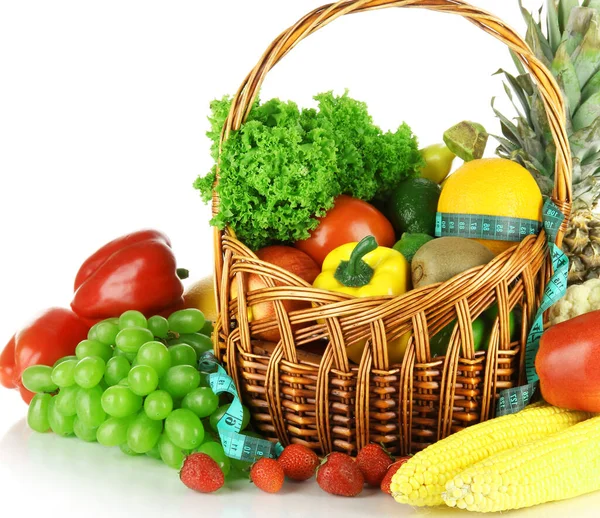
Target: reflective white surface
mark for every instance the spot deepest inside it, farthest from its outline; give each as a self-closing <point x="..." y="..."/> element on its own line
<point x="48" y="476"/>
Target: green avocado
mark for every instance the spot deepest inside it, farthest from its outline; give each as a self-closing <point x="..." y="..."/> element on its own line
<point x="412" y="206"/>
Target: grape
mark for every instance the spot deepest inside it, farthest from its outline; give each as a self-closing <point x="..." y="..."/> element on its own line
<point x="89" y="407"/>
<point x="184" y="429"/>
<point x="117" y="369"/>
<point x="154" y="452"/>
<point x="216" y="452"/>
<point x="89" y="371"/>
<point x="62" y="374"/>
<point x="92" y="333"/>
<point x="183" y="354"/>
<point x="143" y="433"/>
<point x="158" y="405"/>
<point x="155" y="355"/>
<point x="113" y="431"/>
<point x="207" y="329"/>
<point x="128" y="451"/>
<point x="66" y="401"/>
<point x="84" y="432"/>
<point x="87" y="348"/>
<point x="204" y="379"/>
<point x="132" y="318"/>
<point x="106" y="332"/>
<point x="60" y="424"/>
<point x="64" y="359"/>
<point x="37" y="414"/>
<point x="130" y="339"/>
<point x="220" y="412"/>
<point x="180" y="380"/>
<point x="173" y="456"/>
<point x="142" y="380"/>
<point x="159" y="326"/>
<point x="130" y="357"/>
<point x="38" y="378"/>
<point x="200" y="343"/>
<point x="186" y="321"/>
<point x="202" y="401"/>
<point x="119" y="401"/>
<point x="124" y="383"/>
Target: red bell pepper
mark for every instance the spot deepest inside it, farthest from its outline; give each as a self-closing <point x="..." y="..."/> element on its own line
<point x="136" y="271"/>
<point x="50" y="336"/>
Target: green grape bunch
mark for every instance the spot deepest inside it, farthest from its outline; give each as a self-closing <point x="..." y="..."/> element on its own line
<point x="135" y="384"/>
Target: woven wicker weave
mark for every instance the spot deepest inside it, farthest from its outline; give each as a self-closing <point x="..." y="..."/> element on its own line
<point x="303" y="388"/>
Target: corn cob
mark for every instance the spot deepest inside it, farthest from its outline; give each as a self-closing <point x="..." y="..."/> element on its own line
<point x="421" y="480"/>
<point x="560" y="466"/>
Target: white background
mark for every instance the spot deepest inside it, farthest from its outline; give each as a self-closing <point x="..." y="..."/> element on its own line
<point x="103" y="110"/>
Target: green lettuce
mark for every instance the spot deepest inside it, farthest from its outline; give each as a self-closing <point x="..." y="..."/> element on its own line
<point x="284" y="168"/>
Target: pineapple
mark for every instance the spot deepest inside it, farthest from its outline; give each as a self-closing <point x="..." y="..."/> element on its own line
<point x="569" y="45"/>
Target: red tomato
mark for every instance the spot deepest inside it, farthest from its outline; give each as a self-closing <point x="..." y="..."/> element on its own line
<point x="53" y="334"/>
<point x="568" y="363"/>
<point x="7" y="365"/>
<point x="349" y="220"/>
<point x="25" y="394"/>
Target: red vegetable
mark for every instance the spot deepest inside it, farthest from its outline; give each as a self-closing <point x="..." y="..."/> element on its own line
<point x="349" y="220"/>
<point x="136" y="271"/>
<point x="7" y="365"/>
<point x="48" y="337"/>
<point x="568" y="363"/>
<point x="292" y="260"/>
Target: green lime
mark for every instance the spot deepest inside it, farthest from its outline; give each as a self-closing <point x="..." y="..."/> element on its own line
<point x="438" y="343"/>
<point x="410" y="243"/>
<point x="479" y="333"/>
<point x="412" y="206"/>
<point x="491" y="313"/>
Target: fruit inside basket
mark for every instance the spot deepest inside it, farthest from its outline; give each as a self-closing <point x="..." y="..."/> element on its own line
<point x="369" y="290"/>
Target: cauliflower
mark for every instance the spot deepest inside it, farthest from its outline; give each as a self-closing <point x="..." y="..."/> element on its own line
<point x="579" y="299"/>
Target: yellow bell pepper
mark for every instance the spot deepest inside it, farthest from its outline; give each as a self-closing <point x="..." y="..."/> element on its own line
<point x="366" y="270"/>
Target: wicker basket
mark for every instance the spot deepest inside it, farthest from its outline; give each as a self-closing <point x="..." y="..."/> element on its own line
<point x="304" y="389"/>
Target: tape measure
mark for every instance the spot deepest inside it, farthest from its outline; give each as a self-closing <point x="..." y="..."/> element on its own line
<point x="235" y="445"/>
<point x="480" y="226"/>
<point x="515" y="399"/>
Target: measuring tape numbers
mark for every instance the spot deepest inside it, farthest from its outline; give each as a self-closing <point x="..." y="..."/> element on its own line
<point x="235" y="444"/>
<point x="480" y="226"/>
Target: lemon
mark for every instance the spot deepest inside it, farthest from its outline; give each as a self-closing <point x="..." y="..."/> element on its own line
<point x="492" y="187"/>
<point x="438" y="162"/>
<point x="201" y="295"/>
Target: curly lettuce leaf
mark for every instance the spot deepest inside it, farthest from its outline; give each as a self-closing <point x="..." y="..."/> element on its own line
<point x="283" y="169"/>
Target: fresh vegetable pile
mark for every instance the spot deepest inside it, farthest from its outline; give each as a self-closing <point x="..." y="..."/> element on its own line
<point x="286" y="166"/>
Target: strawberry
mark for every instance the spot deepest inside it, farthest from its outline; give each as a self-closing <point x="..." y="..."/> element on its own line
<point x="298" y="462"/>
<point x="387" y="480"/>
<point x="201" y="473"/>
<point x="267" y="474"/>
<point x="373" y="462"/>
<point x="339" y="475"/>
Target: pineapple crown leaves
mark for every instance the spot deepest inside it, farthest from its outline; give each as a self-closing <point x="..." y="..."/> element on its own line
<point x="569" y="44"/>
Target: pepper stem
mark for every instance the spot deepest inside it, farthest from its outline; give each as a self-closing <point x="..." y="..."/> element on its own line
<point x="355" y="273"/>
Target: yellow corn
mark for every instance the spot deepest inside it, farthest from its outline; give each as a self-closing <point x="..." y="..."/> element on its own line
<point x="560" y="466"/>
<point x="421" y="480"/>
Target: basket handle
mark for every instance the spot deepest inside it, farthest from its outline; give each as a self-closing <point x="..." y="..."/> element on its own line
<point x="549" y="89"/>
